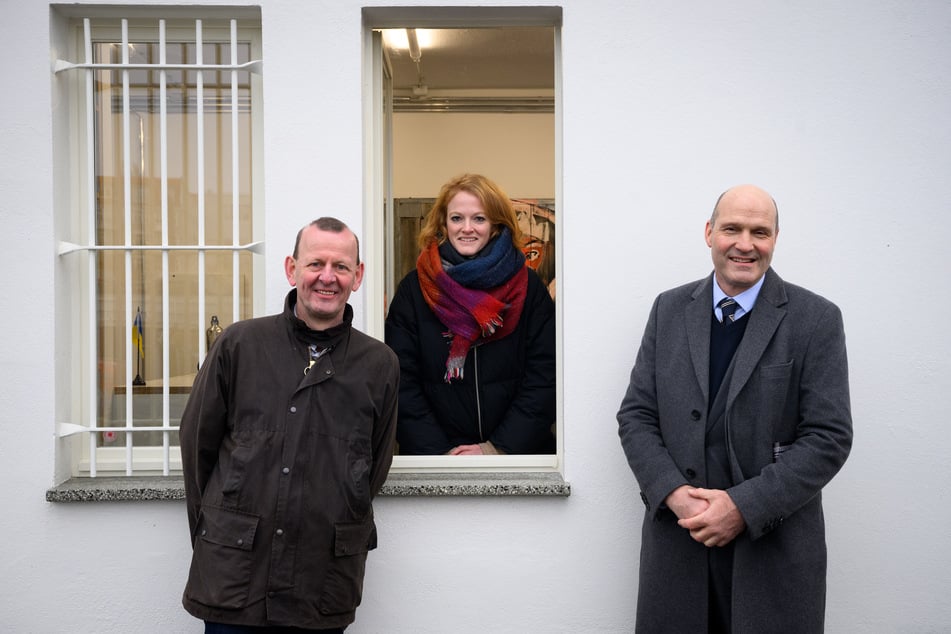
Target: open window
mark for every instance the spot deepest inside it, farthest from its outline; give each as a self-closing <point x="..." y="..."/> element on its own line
<point x="450" y="91"/>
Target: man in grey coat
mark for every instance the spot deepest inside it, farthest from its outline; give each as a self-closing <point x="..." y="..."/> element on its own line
<point x="737" y="414"/>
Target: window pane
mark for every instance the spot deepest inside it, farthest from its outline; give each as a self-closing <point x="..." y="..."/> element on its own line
<point x="196" y="203"/>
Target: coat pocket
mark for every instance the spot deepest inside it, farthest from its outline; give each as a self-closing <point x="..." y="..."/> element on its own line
<point x="220" y="574"/>
<point x="780" y="371"/>
<point x="343" y="583"/>
<point x="776" y="390"/>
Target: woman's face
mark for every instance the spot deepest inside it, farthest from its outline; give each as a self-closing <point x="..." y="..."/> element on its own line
<point x="467" y="227"/>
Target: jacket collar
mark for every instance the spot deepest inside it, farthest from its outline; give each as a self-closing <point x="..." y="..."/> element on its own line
<point x="323" y="338"/>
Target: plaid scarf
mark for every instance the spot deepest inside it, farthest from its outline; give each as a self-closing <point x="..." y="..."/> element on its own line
<point x="471" y="298"/>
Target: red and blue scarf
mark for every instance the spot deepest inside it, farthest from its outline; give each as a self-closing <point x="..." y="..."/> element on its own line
<point x="478" y="299"/>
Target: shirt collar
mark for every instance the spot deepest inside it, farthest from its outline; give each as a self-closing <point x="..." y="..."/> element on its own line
<point x="746" y="299"/>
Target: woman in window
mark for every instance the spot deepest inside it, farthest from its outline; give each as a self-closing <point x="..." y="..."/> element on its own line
<point x="474" y="329"/>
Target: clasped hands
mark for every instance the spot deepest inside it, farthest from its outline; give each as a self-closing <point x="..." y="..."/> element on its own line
<point x="709" y="515"/>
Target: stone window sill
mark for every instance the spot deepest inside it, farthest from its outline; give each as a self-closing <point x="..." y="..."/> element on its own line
<point x="146" y="488"/>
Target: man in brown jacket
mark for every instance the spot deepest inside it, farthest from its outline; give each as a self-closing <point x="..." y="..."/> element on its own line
<point x="287" y="436"/>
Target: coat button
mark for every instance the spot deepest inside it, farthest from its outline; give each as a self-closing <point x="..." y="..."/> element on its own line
<point x="279" y="532"/>
<point x="293" y="409"/>
<point x="695" y="415"/>
<point x="240" y="542"/>
<point x="691" y="473"/>
<point x="285" y="470"/>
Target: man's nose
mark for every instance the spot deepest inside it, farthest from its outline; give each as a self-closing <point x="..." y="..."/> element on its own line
<point x="744" y="241"/>
<point x="326" y="274"/>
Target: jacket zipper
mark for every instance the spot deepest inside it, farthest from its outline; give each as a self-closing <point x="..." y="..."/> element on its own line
<point x="475" y="360"/>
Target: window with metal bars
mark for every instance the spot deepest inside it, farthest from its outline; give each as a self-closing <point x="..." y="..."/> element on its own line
<point x="161" y="225"/>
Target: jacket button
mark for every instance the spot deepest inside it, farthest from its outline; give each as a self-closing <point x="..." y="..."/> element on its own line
<point x="328" y="372"/>
<point x="293" y="409"/>
<point x="285" y="470"/>
<point x="695" y="415"/>
<point x="691" y="473"/>
<point x="279" y="532"/>
<point x="240" y="542"/>
<point x="203" y="532"/>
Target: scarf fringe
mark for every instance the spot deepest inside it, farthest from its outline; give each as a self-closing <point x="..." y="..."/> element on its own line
<point x="455" y="364"/>
<point x="489" y="328"/>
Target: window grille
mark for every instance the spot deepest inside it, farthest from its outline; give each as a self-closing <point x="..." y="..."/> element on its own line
<point x="141" y="97"/>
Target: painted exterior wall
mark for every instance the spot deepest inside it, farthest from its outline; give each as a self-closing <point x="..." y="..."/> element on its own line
<point x="841" y="110"/>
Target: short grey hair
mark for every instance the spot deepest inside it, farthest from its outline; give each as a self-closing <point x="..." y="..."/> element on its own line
<point x="327" y="223"/>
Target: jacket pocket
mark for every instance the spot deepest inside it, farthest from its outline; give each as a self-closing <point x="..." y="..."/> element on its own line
<point x="775" y="388"/>
<point x="220" y="574"/>
<point x="779" y="371"/>
<point x="343" y="583"/>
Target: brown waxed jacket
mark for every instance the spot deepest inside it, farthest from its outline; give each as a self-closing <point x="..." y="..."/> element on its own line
<point x="280" y="470"/>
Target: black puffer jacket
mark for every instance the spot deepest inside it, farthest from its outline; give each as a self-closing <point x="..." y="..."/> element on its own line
<point x="507" y="393"/>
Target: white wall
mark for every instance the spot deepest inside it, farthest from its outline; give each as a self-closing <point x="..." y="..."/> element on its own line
<point x="839" y="109"/>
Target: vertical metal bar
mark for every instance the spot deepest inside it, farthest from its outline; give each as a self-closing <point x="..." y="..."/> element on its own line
<point x="163" y="141"/>
<point x="235" y="184"/>
<point x="127" y="212"/>
<point x="200" y="154"/>
<point x="91" y="336"/>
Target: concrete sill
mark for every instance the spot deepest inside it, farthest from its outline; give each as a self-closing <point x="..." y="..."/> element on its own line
<point x="146" y="488"/>
<point x="529" y="483"/>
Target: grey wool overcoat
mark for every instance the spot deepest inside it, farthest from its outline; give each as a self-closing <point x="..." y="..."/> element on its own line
<point x="789" y="388"/>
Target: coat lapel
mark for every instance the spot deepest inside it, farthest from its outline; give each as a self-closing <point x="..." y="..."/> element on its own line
<point x="767" y="314"/>
<point x="697" y="315"/>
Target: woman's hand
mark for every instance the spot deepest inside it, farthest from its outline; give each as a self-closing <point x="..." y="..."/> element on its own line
<point x="466" y="450"/>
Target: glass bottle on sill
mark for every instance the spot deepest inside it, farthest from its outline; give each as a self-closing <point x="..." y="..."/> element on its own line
<point x="211" y="335"/>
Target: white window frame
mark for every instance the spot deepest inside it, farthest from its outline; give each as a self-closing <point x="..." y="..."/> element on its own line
<point x="75" y="205"/>
<point x="377" y="145"/>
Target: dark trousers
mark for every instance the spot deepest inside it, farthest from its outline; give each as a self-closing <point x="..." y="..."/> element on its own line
<point x="721" y="589"/>
<point x="225" y="628"/>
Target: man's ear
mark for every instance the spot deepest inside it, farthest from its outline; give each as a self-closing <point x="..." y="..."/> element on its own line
<point x="290" y="267"/>
<point x="357" y="277"/>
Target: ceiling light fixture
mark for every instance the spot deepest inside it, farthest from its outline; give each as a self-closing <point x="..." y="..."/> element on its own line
<point x="414" y="53"/>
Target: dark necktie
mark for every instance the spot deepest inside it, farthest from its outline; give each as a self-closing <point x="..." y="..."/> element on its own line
<point x="728" y="307"/>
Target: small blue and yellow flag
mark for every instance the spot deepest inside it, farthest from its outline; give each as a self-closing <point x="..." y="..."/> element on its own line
<point x="137" y="337"/>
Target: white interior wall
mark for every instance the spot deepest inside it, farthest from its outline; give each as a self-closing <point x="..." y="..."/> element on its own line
<point x="517" y="151"/>
<point x="839" y="109"/>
